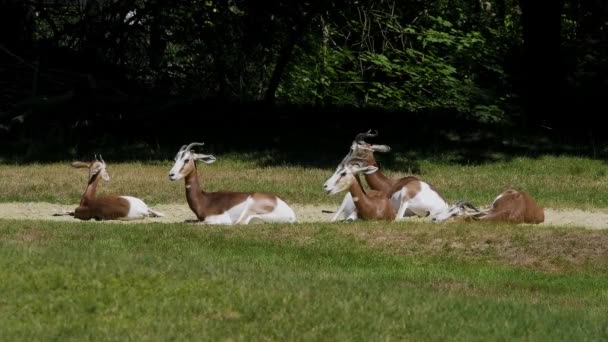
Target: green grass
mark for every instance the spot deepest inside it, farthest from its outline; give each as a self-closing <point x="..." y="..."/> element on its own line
<point x="89" y="281"/>
<point x="560" y="182"/>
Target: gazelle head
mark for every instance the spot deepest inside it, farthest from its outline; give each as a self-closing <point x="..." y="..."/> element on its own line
<point x="96" y="167"/>
<point x="184" y="161"/>
<point x="344" y="176"/>
<point x="360" y="145"/>
<point x="359" y="148"/>
<point x="460" y="208"/>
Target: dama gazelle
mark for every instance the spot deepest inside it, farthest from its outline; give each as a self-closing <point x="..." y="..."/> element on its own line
<point x="109" y="207"/>
<point x="225" y="207"/>
<point x="407" y="193"/>
<point x="373" y="205"/>
<point x="376" y="180"/>
<point x="513" y="206"/>
<point x="420" y="197"/>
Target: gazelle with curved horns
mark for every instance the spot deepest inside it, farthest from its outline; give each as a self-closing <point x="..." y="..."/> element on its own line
<point x="511" y="206"/>
<point x="370" y="205"/>
<point x="225" y="207"/>
<point x="407" y="193"/>
<point x="376" y="180"/>
<point x="109" y="207"/>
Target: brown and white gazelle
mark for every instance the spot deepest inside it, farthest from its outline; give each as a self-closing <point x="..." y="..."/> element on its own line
<point x="418" y="196"/>
<point x="406" y="194"/>
<point x="512" y="206"/>
<point x="376" y="180"/>
<point x="109" y="207"/>
<point x="373" y="205"/>
<point x="225" y="207"/>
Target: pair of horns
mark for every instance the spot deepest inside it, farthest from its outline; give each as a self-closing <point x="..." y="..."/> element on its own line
<point x="360" y="138"/>
<point x="350" y="160"/>
<point x="189" y="147"/>
<point x="468" y="204"/>
<point x="100" y="159"/>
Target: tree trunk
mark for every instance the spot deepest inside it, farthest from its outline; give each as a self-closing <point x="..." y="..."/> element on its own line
<point x="16" y="26"/>
<point x="157" y="44"/>
<point x="500" y="12"/>
<point x="541" y="24"/>
<point x="285" y="56"/>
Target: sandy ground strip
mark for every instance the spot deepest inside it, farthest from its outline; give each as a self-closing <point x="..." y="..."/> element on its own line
<point x="596" y="219"/>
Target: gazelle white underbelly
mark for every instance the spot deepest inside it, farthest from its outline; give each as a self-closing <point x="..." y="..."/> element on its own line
<point x="283" y="212"/>
<point x="137" y="208"/>
<point x="235" y="212"/>
<point x="219" y="219"/>
<point x="426" y="202"/>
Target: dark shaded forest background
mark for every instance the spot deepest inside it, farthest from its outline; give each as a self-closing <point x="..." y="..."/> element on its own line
<point x="137" y="79"/>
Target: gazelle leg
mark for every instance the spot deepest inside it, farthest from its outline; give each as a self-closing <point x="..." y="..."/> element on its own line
<point x="246" y="211"/>
<point x="64" y="213"/>
<point x="404" y="204"/>
<point x="343" y="206"/>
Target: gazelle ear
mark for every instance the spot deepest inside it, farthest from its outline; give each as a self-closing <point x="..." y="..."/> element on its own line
<point x="380" y="148"/>
<point x="370" y="169"/>
<point x="81" y="165"/>
<point x="205" y="158"/>
<point x="367" y="169"/>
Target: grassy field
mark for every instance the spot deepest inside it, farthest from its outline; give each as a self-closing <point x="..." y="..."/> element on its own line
<point x="82" y="281"/>
<point x="559" y="182"/>
<point x="358" y="281"/>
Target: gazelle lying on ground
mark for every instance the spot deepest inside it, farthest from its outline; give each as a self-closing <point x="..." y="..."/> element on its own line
<point x="225" y="207"/>
<point x="419" y="196"/>
<point x="376" y="180"/>
<point x="373" y="205"/>
<point x="510" y="206"/>
<point x="406" y="194"/>
<point x="107" y="207"/>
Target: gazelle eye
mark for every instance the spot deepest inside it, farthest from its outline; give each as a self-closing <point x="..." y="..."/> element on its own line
<point x="343" y="174"/>
<point x="186" y="160"/>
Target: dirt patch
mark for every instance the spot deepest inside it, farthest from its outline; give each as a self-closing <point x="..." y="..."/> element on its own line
<point x="597" y="219"/>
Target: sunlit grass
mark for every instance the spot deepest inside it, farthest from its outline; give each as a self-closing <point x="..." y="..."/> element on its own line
<point x="360" y="281"/>
<point x="553" y="181"/>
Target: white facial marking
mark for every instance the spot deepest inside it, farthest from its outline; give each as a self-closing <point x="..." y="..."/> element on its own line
<point x="181" y="159"/>
<point x="339" y="181"/>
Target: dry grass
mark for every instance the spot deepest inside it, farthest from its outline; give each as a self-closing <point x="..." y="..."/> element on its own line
<point x="546" y="249"/>
<point x="555" y="182"/>
<point x="60" y="183"/>
<point x="542" y="249"/>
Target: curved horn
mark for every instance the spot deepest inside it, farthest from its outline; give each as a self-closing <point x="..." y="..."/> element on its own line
<point x="101" y="159"/>
<point x="182" y="148"/>
<point x="463" y="203"/>
<point x="356" y="159"/>
<point x="192" y="145"/>
<point x="361" y="136"/>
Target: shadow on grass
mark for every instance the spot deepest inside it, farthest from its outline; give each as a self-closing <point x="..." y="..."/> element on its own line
<point x="304" y="138"/>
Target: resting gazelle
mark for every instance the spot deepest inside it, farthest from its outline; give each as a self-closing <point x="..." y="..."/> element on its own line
<point x="511" y="206"/>
<point x="109" y="207"/>
<point x="370" y="205"/>
<point x="406" y="194"/>
<point x="225" y="207"/>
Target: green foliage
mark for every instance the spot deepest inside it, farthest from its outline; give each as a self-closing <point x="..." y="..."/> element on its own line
<point x="431" y="64"/>
<point x="460" y="56"/>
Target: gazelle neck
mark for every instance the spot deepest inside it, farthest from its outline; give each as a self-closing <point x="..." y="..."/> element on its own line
<point x="378" y="181"/>
<point x="357" y="192"/>
<point x="91" y="191"/>
<point x="194" y="195"/>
